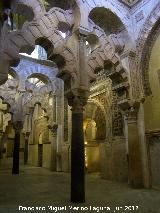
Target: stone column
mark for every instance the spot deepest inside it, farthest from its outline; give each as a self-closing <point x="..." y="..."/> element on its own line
<point x="27" y="130"/>
<point x="1" y="134"/>
<point x="55" y="146"/>
<point x="54" y="160"/>
<point x="77" y="151"/>
<point x="1" y="145"/>
<point x="17" y="127"/>
<point x="26" y="148"/>
<point x="135" y="164"/>
<point x="3" y="109"/>
<point x="77" y="99"/>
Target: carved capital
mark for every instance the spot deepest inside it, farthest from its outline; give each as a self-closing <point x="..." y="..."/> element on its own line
<point x="77" y="103"/>
<point x="82" y="38"/>
<point x="18" y="126"/>
<point x="53" y="128"/>
<point x="1" y="134"/>
<point x="132" y="115"/>
<point x="26" y="135"/>
<point x="82" y="31"/>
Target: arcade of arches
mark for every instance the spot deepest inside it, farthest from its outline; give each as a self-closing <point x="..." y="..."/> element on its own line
<point x="80" y="90"/>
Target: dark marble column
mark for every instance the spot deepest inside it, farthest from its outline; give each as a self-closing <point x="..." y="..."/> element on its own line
<point x="77" y="152"/>
<point x="1" y="145"/>
<point x="18" y="128"/>
<point x="26" y="149"/>
<point x="77" y="99"/>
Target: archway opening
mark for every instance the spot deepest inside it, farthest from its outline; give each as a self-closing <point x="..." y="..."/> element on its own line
<point x="92" y="161"/>
<point x="38" y="53"/>
<point x="94" y="127"/>
<point x="107" y="20"/>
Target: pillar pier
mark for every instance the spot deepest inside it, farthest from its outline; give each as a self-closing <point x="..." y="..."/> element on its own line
<point x="135" y="163"/>
<point x="18" y="127"/>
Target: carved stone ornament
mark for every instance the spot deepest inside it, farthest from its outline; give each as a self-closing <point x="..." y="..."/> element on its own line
<point x="18" y="126"/>
<point x="130" y="2"/>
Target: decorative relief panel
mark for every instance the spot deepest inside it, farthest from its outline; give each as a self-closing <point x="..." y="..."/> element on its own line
<point x="117" y="126"/>
<point x="130" y="2"/>
<point x="101" y="93"/>
<point x="139" y="16"/>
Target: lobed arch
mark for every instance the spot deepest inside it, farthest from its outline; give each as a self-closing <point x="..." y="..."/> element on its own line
<point x="103" y="56"/>
<point x="106" y="59"/>
<point x="145" y="42"/>
<point x="99" y="105"/>
<point x="28" y="67"/>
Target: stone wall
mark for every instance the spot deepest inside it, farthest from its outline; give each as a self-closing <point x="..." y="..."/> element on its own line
<point x="33" y="155"/>
<point x="152" y="113"/>
<point x="66" y="158"/>
<point x="155" y="162"/>
<point x="113" y="161"/>
<point x="46" y="156"/>
<point x="92" y="161"/>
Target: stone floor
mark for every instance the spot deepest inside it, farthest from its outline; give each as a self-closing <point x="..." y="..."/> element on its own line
<point x="37" y="187"/>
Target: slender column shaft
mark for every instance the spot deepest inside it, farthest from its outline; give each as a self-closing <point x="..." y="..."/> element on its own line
<point x="1" y="146"/>
<point x="77" y="159"/>
<point x="54" y="149"/>
<point x="15" y="169"/>
<point x="26" y="151"/>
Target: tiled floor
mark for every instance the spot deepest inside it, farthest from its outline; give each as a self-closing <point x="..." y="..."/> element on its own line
<point x="37" y="187"/>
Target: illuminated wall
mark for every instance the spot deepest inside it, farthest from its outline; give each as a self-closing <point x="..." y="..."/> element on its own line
<point x="152" y="103"/>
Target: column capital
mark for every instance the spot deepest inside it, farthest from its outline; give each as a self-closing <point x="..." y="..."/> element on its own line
<point x="26" y="135"/>
<point x="77" y="102"/>
<point x="132" y="115"/>
<point x="53" y="128"/>
<point x="1" y="133"/>
<point x="81" y="31"/>
<point x="18" y="126"/>
<point x="82" y="37"/>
